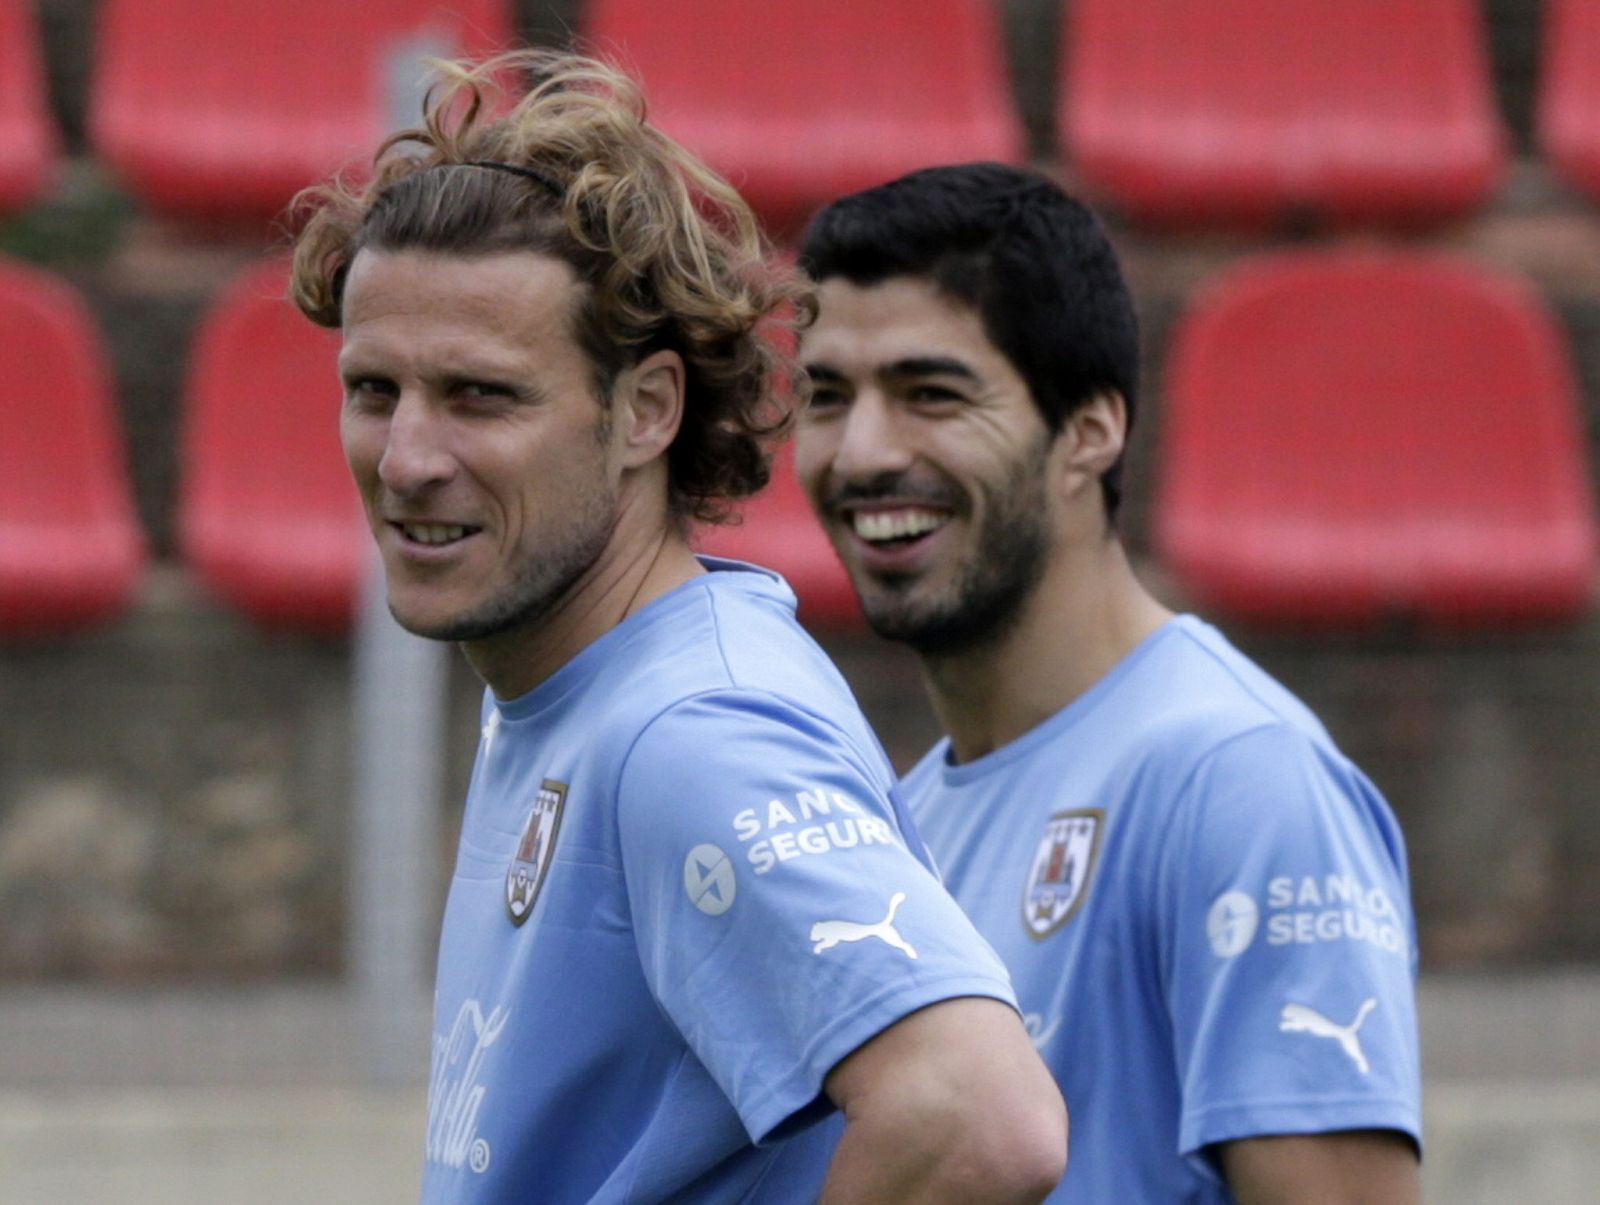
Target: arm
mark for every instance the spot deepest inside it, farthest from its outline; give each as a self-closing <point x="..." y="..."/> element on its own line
<point x="1289" y="935"/>
<point x="949" y="1104"/>
<point x="826" y="965"/>
<point x="1353" y="1167"/>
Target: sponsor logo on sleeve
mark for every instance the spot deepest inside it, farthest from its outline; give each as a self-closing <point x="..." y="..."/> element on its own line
<point x="535" y="850"/>
<point x="1063" y="864"/>
<point x="809" y="824"/>
<point x="826" y="934"/>
<point x="1301" y="1018"/>
<point x="1306" y="910"/>
<point x="1231" y="923"/>
<point x="709" y="880"/>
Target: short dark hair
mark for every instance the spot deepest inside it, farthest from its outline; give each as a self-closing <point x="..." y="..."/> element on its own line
<point x="1033" y="261"/>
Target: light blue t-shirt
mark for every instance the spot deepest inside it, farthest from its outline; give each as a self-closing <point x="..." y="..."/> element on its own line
<point x="684" y="892"/>
<point x="1205" y="911"/>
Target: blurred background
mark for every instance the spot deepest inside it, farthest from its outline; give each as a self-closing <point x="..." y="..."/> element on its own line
<point x="1365" y="241"/>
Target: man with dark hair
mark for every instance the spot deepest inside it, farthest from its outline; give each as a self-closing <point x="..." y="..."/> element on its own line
<point x="687" y="921"/>
<point x="1203" y="904"/>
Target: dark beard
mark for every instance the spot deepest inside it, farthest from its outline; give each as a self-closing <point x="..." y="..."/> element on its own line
<point x="988" y="599"/>
<point x="1006" y="563"/>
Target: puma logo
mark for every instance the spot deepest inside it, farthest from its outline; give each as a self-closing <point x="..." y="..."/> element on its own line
<point x="1297" y="1018"/>
<point x="829" y="933"/>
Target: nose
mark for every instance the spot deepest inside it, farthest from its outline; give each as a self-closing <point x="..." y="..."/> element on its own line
<point x="416" y="455"/>
<point x="872" y="441"/>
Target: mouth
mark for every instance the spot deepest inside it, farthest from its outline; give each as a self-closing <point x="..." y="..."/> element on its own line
<point x="434" y="535"/>
<point x="899" y="527"/>
<point x="894" y="539"/>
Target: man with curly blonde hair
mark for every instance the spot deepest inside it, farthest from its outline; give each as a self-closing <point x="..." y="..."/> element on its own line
<point x="688" y="921"/>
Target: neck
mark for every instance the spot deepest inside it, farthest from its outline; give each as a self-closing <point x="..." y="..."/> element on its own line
<point x="1086" y="614"/>
<point x="642" y="562"/>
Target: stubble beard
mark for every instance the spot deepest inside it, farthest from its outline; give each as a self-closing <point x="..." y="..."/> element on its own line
<point x="540" y="583"/>
<point x="543" y="578"/>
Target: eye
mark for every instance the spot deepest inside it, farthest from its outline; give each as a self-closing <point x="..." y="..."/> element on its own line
<point x="826" y="397"/>
<point x="929" y="393"/>
<point x="486" y="397"/>
<point x="369" y="392"/>
<point x="486" y="389"/>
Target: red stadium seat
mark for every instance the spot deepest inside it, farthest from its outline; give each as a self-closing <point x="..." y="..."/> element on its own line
<point x="1568" y="113"/>
<point x="225" y="111"/>
<point x="780" y="532"/>
<point x="71" y="550"/>
<point x="1350" y="436"/>
<point x="268" y="515"/>
<point x="800" y="103"/>
<point x="27" y="137"/>
<point x="1251" y="113"/>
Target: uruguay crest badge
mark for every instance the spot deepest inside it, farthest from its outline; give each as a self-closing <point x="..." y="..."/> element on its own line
<point x="535" y="851"/>
<point x="1063" y="864"/>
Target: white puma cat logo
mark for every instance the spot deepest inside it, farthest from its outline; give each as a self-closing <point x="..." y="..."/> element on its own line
<point x="1297" y="1018"/>
<point x="829" y="933"/>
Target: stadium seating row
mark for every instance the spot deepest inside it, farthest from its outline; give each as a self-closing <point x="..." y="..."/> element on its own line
<point x="1347" y="436"/>
<point x="1231" y="112"/>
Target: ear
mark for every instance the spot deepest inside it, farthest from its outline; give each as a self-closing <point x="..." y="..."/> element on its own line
<point x="1091" y="440"/>
<point x="650" y="407"/>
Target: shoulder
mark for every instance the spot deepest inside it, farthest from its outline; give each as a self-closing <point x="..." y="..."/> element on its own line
<point x="750" y="732"/>
<point x="1278" y="765"/>
<point x="732" y="629"/>
<point x="1234" y="684"/>
<point x="1196" y="698"/>
<point x="1273" y="805"/>
<point x="723" y="649"/>
<point x="1237" y="758"/>
<point x="759" y="773"/>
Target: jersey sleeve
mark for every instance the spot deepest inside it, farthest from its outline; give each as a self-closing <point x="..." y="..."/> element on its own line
<point x="1290" y="959"/>
<point x="780" y="917"/>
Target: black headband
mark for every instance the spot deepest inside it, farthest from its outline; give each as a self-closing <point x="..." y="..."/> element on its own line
<point x="548" y="182"/>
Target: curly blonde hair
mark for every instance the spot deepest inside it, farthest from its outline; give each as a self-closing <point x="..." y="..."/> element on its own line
<point x="669" y="252"/>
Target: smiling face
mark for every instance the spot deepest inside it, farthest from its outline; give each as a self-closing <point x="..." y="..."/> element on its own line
<point x="484" y="459"/>
<point x="926" y="460"/>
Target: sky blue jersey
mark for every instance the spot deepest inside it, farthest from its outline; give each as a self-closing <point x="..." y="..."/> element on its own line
<point x="684" y="891"/>
<point x="1205" y="911"/>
